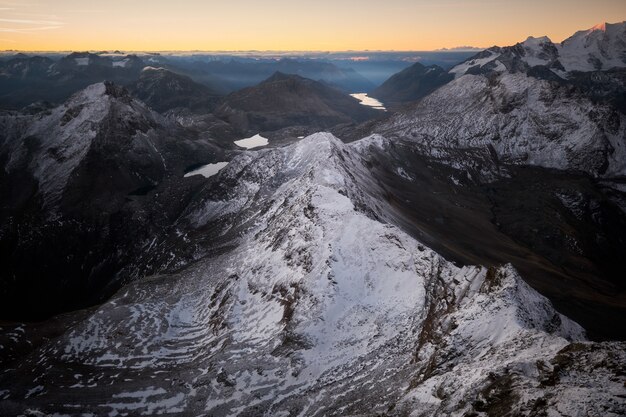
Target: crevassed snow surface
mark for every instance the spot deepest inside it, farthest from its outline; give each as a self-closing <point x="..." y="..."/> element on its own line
<point x="252" y="142"/>
<point x="207" y="170"/>
<point x="368" y="101"/>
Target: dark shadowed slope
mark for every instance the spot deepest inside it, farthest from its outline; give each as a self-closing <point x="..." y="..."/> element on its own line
<point x="285" y="100"/>
<point x="411" y="84"/>
<point x="85" y="187"/>
<point x="164" y="90"/>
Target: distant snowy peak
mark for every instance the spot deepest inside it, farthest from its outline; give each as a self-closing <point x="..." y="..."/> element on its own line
<point x="601" y="47"/>
<point x="600" y="27"/>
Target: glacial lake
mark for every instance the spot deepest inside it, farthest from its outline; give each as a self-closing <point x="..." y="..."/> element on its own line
<point x="207" y="170"/>
<point x="368" y="101"/>
<point x="252" y="142"/>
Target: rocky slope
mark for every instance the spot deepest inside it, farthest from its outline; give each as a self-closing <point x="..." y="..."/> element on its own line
<point x="301" y="301"/>
<point x="91" y="173"/>
<point x="518" y="119"/>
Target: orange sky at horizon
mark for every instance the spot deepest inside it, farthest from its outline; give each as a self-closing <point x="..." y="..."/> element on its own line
<point x="282" y="25"/>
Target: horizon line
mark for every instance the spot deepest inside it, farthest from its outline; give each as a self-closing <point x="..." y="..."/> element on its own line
<point x="215" y="51"/>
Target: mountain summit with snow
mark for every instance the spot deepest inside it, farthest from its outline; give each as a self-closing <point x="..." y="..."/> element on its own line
<point x="602" y="47"/>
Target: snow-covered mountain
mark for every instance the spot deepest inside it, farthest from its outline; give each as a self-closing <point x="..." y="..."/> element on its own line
<point x="603" y="47"/>
<point x="101" y="121"/>
<point x="314" y="307"/>
<point x="516" y="119"/>
<point x="591" y="61"/>
<point x="535" y="103"/>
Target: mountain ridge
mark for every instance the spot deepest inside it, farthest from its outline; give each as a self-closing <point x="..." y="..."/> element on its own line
<point x="302" y="307"/>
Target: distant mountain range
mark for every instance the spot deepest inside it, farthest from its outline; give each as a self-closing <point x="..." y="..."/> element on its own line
<point x="25" y="79"/>
<point x="592" y="60"/>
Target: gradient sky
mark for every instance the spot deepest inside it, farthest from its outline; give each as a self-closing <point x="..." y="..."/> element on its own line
<point x="333" y="25"/>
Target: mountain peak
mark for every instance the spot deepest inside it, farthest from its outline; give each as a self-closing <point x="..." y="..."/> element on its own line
<point x="93" y="92"/>
<point x="537" y="41"/>
<point x="600" y="27"/>
<point x="281" y="76"/>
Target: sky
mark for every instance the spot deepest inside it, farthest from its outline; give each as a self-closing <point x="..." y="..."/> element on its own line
<point x="291" y="25"/>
